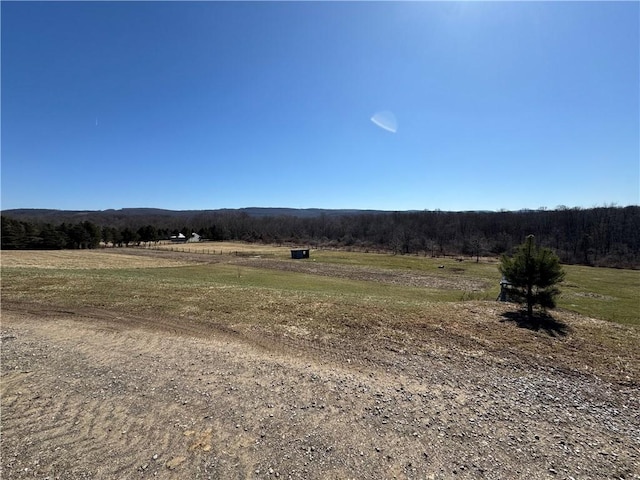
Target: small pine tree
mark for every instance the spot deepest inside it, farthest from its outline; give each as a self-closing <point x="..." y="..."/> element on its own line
<point x="533" y="273"/>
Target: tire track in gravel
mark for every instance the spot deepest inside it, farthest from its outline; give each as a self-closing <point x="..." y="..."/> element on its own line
<point x="228" y="403"/>
<point x="107" y="426"/>
<point x="264" y="340"/>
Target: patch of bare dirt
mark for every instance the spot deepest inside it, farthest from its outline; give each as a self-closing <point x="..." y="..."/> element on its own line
<point x="90" y="393"/>
<point x="379" y="275"/>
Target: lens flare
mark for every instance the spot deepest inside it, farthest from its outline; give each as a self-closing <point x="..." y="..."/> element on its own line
<point x="386" y="120"/>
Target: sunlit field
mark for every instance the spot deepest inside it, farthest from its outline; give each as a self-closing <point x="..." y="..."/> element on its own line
<point x="225" y="248"/>
<point x="215" y="269"/>
<point x="243" y="330"/>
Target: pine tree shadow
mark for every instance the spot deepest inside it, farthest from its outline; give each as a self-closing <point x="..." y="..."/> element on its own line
<point x="539" y="321"/>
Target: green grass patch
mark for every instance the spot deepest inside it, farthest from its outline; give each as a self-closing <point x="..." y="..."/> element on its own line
<point x="606" y="293"/>
<point x="220" y="293"/>
<point x="242" y="293"/>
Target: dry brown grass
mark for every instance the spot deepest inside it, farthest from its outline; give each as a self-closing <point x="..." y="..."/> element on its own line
<point x="81" y="260"/>
<point x="315" y="300"/>
<point x="227" y="248"/>
<point x="230" y="366"/>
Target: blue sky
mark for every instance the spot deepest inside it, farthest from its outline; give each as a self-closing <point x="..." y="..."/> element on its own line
<point x="205" y="105"/>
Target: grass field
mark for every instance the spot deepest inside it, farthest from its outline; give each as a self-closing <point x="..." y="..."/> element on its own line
<point x="174" y="364"/>
<point x="226" y="248"/>
<point x="249" y="292"/>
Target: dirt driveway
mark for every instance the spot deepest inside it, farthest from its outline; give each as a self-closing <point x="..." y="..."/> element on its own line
<point x="95" y="394"/>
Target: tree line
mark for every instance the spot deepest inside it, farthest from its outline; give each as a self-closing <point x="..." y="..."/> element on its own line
<point x="603" y="236"/>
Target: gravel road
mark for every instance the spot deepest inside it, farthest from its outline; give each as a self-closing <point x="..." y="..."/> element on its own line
<point x="95" y="394"/>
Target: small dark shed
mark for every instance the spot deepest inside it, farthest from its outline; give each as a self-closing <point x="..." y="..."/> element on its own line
<point x="297" y="254"/>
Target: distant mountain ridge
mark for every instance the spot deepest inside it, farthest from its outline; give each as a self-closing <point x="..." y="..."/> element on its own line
<point x="108" y="216"/>
<point x="604" y="236"/>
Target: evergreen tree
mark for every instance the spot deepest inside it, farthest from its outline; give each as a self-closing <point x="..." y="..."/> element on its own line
<point x="148" y="233"/>
<point x="128" y="236"/>
<point x="14" y="236"/>
<point x="93" y="234"/>
<point x="52" y="238"/>
<point x="533" y="273"/>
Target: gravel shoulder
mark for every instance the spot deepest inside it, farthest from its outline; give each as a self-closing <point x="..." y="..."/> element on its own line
<point x="96" y="394"/>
